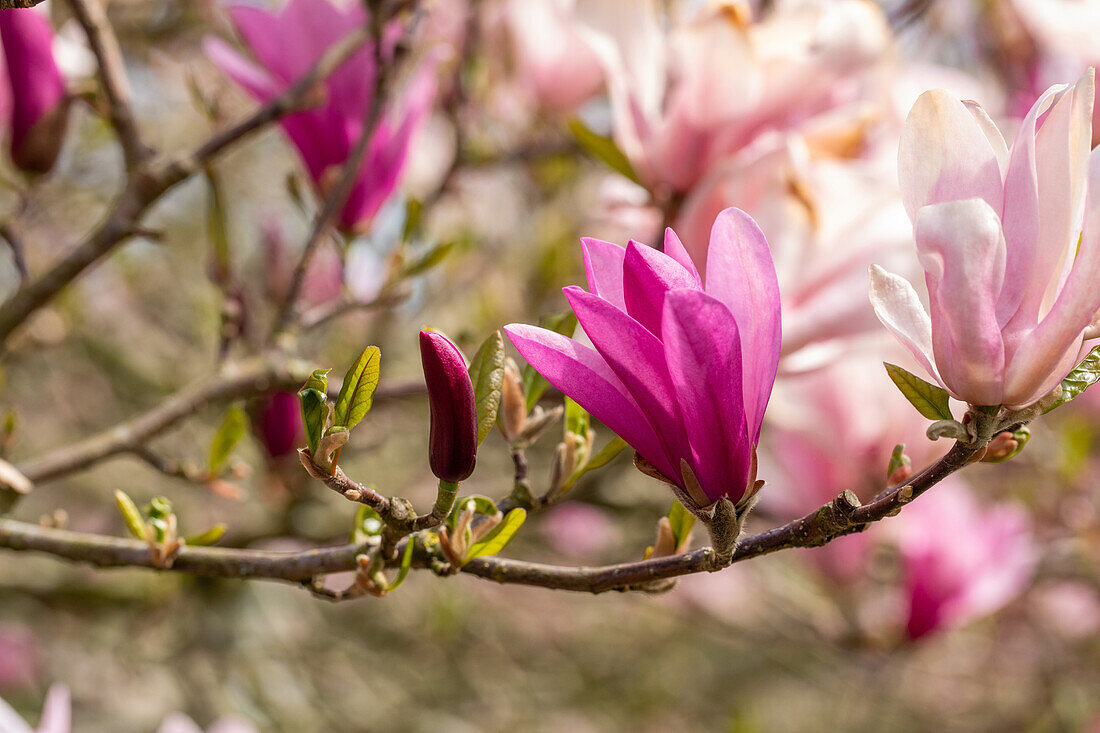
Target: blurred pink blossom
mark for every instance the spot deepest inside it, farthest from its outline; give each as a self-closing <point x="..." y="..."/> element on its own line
<point x="679" y="108"/>
<point x="56" y="714"/>
<point x="286" y="45"/>
<point x="579" y="530"/>
<point x="1009" y="241"/>
<point x="961" y="560"/>
<point x="180" y="723"/>
<point x="20" y="657"/>
<point x="33" y="95"/>
<point x="280" y="423"/>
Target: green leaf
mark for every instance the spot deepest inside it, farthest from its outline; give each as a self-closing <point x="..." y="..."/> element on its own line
<point x="487" y="374"/>
<point x="406" y="563"/>
<point x="929" y="399"/>
<point x="576" y="418"/>
<point x="602" y="148"/>
<point x="601" y="459"/>
<point x="534" y="384"/>
<point x="482" y="505"/>
<point x="216" y="228"/>
<point x="357" y="391"/>
<point x="318" y="380"/>
<point x="368" y="523"/>
<point x="1084" y="375"/>
<point x="130" y="515"/>
<point x="413" y="210"/>
<point x="499" y="538"/>
<point x="208" y="537"/>
<point x="427" y="261"/>
<point x="233" y="428"/>
<point x="681" y="520"/>
<point x="897" y="459"/>
<point x="314" y="409"/>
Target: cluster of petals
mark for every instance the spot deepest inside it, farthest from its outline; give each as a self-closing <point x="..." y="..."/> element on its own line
<point x="1009" y="240"/>
<point x="285" y="45"/>
<point x="683" y="366"/>
<point x="32" y="89"/>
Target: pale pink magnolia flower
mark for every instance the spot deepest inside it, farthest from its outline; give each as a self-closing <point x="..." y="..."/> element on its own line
<point x="56" y="714"/>
<point x="286" y="45"/>
<point x="1009" y="241"/>
<point x="32" y="97"/>
<point x="683" y="100"/>
<point x="180" y="723"/>
<point x="833" y="429"/>
<point x="554" y="65"/>
<point x="825" y="219"/>
<point x="579" y="530"/>
<point x="961" y="561"/>
<point x="20" y="656"/>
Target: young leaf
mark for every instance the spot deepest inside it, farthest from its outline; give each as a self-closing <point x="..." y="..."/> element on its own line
<point x="929" y="399"/>
<point x="427" y="261"/>
<point x="576" y="419"/>
<point x="368" y="523"/>
<point x="216" y="228"/>
<point x="681" y="520"/>
<point x="130" y="515"/>
<point x="487" y="374"/>
<point x="413" y="210"/>
<point x="601" y="459"/>
<point x="233" y="428"/>
<point x="534" y="384"/>
<point x="501" y="535"/>
<point x="1084" y="375"/>
<point x="314" y="400"/>
<point x="482" y="505"/>
<point x="406" y="563"/>
<point x="208" y="537"/>
<point x="897" y="459"/>
<point x="602" y="148"/>
<point x="357" y="391"/>
<point x="318" y="380"/>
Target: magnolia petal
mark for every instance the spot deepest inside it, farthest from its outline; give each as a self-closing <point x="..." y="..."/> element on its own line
<point x="603" y="266"/>
<point x="898" y="307"/>
<point x="647" y="276"/>
<point x="962" y="250"/>
<point x="703" y="350"/>
<point x="945" y="155"/>
<point x="675" y="249"/>
<point x="992" y="134"/>
<point x="741" y="274"/>
<point x="581" y="373"/>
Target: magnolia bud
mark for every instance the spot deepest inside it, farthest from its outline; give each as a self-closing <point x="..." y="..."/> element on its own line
<point x="452" y="444"/>
<point x="513" y="403"/>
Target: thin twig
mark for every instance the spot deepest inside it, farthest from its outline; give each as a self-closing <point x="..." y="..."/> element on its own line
<point x="112" y="72"/>
<point x="322" y="314"/>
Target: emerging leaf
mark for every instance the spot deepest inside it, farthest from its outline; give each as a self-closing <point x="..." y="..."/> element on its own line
<point x="481" y="504"/>
<point x="929" y="399"/>
<point x="1084" y="375"/>
<point x="368" y="523"/>
<point x="406" y="563"/>
<point x="314" y="399"/>
<point x="357" y="392"/>
<point x="216" y="228"/>
<point x="501" y="535"/>
<point x="427" y="261"/>
<point x="602" y="148"/>
<point x="681" y="521"/>
<point x="208" y="537"/>
<point x="487" y="375"/>
<point x="130" y="515"/>
<point x="234" y="427"/>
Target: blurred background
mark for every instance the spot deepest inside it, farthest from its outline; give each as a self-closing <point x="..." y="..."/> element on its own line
<point x="976" y="609"/>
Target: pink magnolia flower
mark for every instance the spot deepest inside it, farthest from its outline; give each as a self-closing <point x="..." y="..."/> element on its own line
<point x="961" y="561"/>
<point x="20" y="656"/>
<point x="56" y="714"/>
<point x="1009" y="242"/>
<point x="677" y="107"/>
<point x="681" y="370"/>
<point x="287" y="44"/>
<point x="180" y="723"/>
<point x="35" y="95"/>
<point x="553" y="63"/>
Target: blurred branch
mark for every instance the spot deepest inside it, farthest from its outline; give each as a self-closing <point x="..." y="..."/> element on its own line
<point x="146" y="186"/>
<point x="321" y="314"/>
<point x="844" y="515"/>
<point x="112" y="73"/>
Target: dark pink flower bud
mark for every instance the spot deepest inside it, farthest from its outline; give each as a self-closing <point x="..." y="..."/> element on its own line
<point x="38" y="106"/>
<point x="280" y="424"/>
<point x="452" y="445"/>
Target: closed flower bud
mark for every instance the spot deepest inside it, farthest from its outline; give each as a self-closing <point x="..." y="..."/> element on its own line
<point x="452" y="446"/>
<point x="513" y="403"/>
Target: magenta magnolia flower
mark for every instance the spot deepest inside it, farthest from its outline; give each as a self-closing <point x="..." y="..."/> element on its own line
<point x="452" y="444"/>
<point x="36" y="104"/>
<point x="287" y="45"/>
<point x="961" y="560"/>
<point x="1009" y="241"/>
<point x="680" y="371"/>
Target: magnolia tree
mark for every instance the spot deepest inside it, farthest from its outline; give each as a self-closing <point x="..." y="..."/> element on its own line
<point x="759" y="162"/>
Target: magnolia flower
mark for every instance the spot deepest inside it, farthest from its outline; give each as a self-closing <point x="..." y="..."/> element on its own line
<point x="1009" y="242"/>
<point x="35" y="96"/>
<point x="677" y="107"/>
<point x="961" y="561"/>
<point x="287" y="45"/>
<point x="279" y="423"/>
<point x="682" y="368"/>
<point x="452" y="443"/>
<point x="56" y="714"/>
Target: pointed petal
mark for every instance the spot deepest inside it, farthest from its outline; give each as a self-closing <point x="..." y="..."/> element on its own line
<point x="647" y="276"/>
<point x="945" y="155"/>
<point x="638" y="359"/>
<point x="57" y="711"/>
<point x="741" y="274"/>
<point x="252" y="78"/>
<point x="585" y="377"/>
<point x="899" y="308"/>
<point x="962" y="250"/>
<point x="603" y="265"/>
<point x="675" y="249"/>
<point x="703" y="350"/>
<point x="992" y="134"/>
